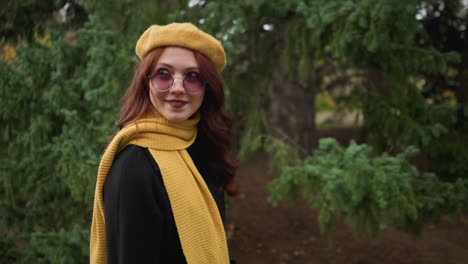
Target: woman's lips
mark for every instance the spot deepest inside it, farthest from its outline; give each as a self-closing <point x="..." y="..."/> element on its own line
<point x="176" y="103"/>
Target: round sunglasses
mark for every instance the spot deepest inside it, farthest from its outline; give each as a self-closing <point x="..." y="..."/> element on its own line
<point x="163" y="81"/>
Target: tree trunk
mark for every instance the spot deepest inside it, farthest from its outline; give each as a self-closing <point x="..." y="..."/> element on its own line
<point x="291" y="113"/>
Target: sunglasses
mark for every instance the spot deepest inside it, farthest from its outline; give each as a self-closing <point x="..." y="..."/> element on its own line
<point x="163" y="81"/>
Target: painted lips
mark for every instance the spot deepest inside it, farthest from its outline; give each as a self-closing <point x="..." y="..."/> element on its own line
<point x="176" y="103"/>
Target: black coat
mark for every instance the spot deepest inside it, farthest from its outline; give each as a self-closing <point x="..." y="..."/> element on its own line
<point x="140" y="226"/>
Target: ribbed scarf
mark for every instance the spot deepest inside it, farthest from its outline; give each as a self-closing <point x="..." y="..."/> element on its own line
<point x="196" y="215"/>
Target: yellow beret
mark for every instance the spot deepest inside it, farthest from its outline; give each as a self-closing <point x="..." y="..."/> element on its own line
<point x="184" y="35"/>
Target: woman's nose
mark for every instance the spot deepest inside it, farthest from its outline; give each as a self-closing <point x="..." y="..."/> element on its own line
<point x="178" y="86"/>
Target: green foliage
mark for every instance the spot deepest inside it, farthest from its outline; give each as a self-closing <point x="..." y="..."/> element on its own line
<point x="406" y="118"/>
<point x="58" y="107"/>
<point x="369" y="36"/>
<point x="324" y="103"/>
<point x="359" y="38"/>
<point x="370" y="192"/>
<point x="365" y="35"/>
<point x="282" y="154"/>
<point x="61" y="246"/>
<point x="59" y="101"/>
<point x="22" y="19"/>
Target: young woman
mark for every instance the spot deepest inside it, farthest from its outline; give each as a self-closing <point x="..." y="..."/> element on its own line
<point x="161" y="182"/>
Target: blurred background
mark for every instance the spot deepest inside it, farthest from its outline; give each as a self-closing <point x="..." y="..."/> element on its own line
<point x="351" y="124"/>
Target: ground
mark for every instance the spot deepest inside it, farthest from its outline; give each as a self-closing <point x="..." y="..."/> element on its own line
<point x="260" y="233"/>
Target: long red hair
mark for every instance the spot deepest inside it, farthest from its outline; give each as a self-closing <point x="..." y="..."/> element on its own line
<point x="215" y="125"/>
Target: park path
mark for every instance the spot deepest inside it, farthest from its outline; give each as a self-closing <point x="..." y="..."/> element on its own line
<point x="259" y="233"/>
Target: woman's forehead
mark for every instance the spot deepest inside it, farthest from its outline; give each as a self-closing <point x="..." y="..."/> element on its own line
<point x="178" y="57"/>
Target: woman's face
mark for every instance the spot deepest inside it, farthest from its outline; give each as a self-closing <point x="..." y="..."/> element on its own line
<point x="176" y="103"/>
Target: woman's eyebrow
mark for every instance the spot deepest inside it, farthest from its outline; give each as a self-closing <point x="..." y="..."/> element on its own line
<point x="172" y="67"/>
<point x="164" y="64"/>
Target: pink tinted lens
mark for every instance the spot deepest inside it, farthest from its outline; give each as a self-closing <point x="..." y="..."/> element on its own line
<point x="162" y="81"/>
<point x="193" y="84"/>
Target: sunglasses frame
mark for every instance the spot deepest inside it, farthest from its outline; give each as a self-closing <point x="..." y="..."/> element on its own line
<point x="151" y="76"/>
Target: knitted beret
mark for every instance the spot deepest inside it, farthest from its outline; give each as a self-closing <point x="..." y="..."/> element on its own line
<point x="184" y="35"/>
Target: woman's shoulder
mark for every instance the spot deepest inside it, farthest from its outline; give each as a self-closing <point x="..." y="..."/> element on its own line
<point x="133" y="155"/>
<point x="133" y="162"/>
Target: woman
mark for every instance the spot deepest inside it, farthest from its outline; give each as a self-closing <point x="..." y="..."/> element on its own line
<point x="160" y="188"/>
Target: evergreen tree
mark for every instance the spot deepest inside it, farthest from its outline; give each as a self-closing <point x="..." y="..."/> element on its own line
<point x="402" y="63"/>
<point x="400" y="60"/>
<point x="60" y="97"/>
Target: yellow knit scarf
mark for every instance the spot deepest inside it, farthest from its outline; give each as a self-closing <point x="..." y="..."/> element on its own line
<point x="196" y="215"/>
